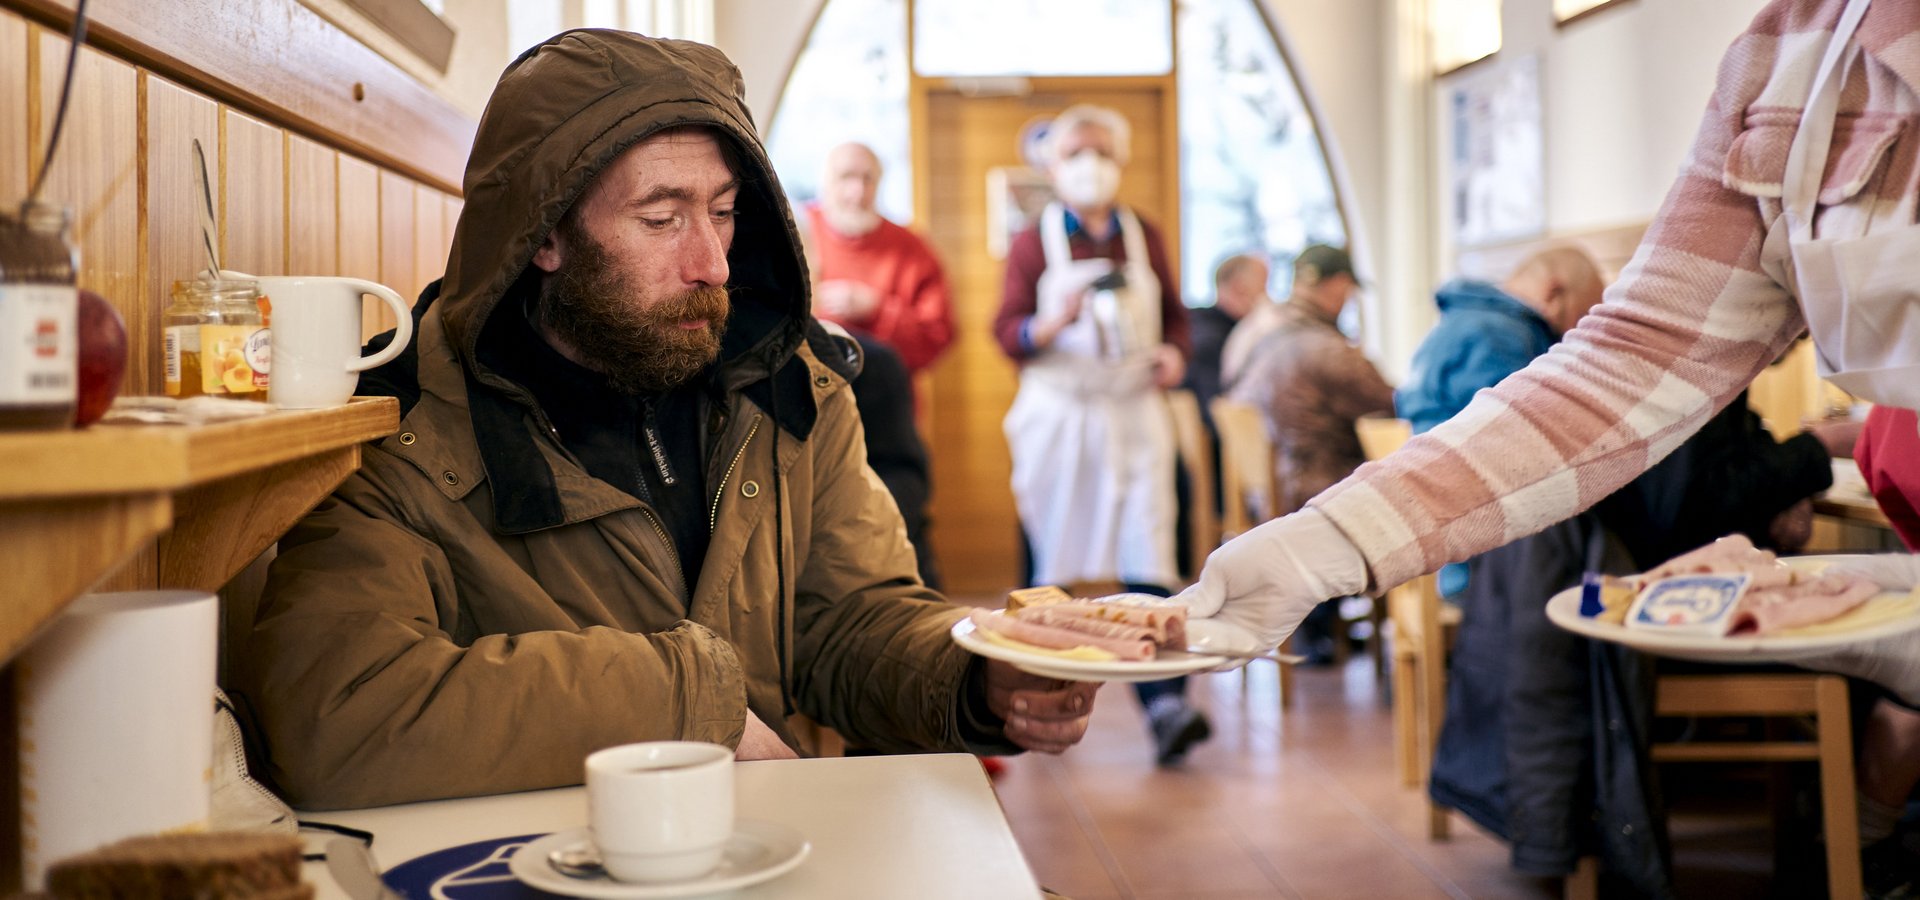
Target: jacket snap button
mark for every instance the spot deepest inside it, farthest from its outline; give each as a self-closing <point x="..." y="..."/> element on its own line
<point x="450" y="478"/>
<point x="821" y="381"/>
<point x="750" y="489"/>
<point x="406" y="437"/>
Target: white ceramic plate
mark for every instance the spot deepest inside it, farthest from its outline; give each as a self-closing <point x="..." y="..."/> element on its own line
<point x="1200" y="633"/>
<point x="1888" y="614"/>
<point x="757" y="852"/>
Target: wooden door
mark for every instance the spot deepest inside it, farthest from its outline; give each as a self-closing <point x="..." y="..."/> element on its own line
<point x="959" y="138"/>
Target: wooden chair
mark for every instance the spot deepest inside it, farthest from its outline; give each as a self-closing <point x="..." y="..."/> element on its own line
<point x="1422" y="626"/>
<point x="1823" y="699"/>
<point x="1196" y="457"/>
<point x="1246" y="486"/>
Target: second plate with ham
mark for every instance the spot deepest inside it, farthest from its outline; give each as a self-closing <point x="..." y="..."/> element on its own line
<point x="1167" y="663"/>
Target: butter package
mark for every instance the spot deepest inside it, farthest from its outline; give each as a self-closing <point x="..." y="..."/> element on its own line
<point x="1701" y="605"/>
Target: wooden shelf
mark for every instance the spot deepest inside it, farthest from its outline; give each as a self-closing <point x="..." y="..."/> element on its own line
<point x="74" y="505"/>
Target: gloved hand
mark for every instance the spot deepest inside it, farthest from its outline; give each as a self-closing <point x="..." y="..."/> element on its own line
<point x="1891" y="662"/>
<point x="1268" y="579"/>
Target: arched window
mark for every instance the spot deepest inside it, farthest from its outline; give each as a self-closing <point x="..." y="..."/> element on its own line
<point x="1253" y="173"/>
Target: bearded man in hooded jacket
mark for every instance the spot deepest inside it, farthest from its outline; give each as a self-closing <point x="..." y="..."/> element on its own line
<point x="628" y="499"/>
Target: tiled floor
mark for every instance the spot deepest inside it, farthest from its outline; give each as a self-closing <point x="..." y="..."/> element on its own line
<point x="1302" y="805"/>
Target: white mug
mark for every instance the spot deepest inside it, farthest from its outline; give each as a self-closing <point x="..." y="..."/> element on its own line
<point x="662" y="810"/>
<point x="116" y="723"/>
<point x="316" y="336"/>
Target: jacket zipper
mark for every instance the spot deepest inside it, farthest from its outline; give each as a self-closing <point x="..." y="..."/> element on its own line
<point x="713" y="516"/>
<point x="673" y="556"/>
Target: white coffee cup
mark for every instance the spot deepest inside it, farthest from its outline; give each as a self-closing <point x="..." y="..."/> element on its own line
<point x="316" y="336"/>
<point x="116" y="723"/>
<point x="662" y="810"/>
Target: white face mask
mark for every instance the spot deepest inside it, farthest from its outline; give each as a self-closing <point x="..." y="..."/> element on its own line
<point x="1086" y="179"/>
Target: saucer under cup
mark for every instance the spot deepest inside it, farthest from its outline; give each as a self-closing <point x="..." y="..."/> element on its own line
<point x="660" y="811"/>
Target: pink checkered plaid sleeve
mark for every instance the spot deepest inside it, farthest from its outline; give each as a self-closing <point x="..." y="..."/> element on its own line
<point x="1691" y="321"/>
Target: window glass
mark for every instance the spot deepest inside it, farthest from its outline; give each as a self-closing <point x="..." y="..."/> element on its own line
<point x="1253" y="176"/>
<point x="982" y="38"/>
<point x="849" y="84"/>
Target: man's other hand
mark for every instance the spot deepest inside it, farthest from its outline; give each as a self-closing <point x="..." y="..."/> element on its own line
<point x="759" y="742"/>
<point x="1168" y="366"/>
<point x="1042" y="714"/>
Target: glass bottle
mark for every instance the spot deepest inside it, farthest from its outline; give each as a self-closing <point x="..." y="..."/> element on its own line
<point x="187" y="310"/>
<point x="235" y="352"/>
<point x="39" y="320"/>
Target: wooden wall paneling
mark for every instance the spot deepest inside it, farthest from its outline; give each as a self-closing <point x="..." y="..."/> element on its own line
<point x="16" y="138"/>
<point x="449" y="220"/>
<point x="429" y="241"/>
<point x="253" y="195"/>
<point x="97" y="173"/>
<point x="359" y="228"/>
<point x="97" y="176"/>
<point x="279" y="60"/>
<point x="174" y="118"/>
<point x="313" y="208"/>
<point x="397" y="253"/>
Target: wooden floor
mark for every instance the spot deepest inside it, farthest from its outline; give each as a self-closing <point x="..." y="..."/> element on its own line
<point x="1304" y="805"/>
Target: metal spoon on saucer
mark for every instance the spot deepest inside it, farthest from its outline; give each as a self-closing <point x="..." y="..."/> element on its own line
<point x="580" y="860"/>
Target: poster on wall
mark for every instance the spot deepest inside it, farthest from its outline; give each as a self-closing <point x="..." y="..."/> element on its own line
<point x="1498" y="182"/>
<point x="1015" y="197"/>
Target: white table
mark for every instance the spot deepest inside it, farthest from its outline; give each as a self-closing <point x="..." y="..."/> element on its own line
<point x="881" y="826"/>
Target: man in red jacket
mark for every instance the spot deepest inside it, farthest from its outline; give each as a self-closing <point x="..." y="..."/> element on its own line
<point x="876" y="276"/>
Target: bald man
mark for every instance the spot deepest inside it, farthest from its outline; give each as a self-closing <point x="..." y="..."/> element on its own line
<point x="1486" y="332"/>
<point x="875" y="276"/>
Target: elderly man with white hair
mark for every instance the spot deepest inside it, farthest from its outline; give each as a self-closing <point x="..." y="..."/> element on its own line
<point x="875" y="276"/>
<point x="1093" y="316"/>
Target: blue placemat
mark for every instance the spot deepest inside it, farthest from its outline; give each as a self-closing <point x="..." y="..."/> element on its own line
<point x="476" y="871"/>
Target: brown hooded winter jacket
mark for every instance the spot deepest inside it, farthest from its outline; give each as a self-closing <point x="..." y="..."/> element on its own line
<point x="473" y="613"/>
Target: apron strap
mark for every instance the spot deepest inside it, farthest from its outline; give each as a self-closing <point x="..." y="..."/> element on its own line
<point x="1053" y="235"/>
<point x="1807" y="157"/>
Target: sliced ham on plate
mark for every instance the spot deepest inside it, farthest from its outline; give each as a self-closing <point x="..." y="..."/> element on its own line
<point x="1785" y="607"/>
<point x="1053" y="637"/>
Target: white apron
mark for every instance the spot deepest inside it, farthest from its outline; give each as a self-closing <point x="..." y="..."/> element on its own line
<point x="1091" y="436"/>
<point x="1860" y="292"/>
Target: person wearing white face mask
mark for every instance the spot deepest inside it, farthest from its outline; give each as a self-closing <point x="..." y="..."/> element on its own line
<point x="1093" y="316"/>
<point x="1735" y="266"/>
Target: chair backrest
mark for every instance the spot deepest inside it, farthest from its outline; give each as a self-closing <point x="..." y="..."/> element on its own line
<point x="1246" y="465"/>
<point x="1381" y="435"/>
<point x="1196" y="456"/>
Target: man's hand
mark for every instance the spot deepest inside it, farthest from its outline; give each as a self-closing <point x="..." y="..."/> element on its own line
<point x="759" y="742"/>
<point x="1837" y="435"/>
<point x="1168" y="366"/>
<point x="1045" y="330"/>
<point x="1793" y="527"/>
<point x="1042" y="714"/>
<point x="847" y="301"/>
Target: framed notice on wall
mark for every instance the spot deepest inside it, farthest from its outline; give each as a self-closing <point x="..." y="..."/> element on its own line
<point x="1497" y="185"/>
<point x="1015" y="197"/>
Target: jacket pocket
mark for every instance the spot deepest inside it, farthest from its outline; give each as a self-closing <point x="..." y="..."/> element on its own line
<point x="1757" y="159"/>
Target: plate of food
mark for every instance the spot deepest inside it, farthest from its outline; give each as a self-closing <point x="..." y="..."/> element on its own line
<point x="1731" y="602"/>
<point x="1124" y="637"/>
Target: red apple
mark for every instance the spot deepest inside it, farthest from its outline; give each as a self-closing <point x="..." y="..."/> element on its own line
<point x="103" y="357"/>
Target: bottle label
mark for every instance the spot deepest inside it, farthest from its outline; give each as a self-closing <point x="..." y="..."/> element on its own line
<point x="223" y="359"/>
<point x="39" y="344"/>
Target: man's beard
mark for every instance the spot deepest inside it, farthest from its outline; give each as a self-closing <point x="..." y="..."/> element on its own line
<point x="594" y="309"/>
<point x="851" y="222"/>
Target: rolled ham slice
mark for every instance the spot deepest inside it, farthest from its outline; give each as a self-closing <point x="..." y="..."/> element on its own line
<point x="1787" y="607"/>
<point x="1055" y="617"/>
<point x="1053" y="637"/>
<point x="1730" y="555"/>
<point x="1166" y="623"/>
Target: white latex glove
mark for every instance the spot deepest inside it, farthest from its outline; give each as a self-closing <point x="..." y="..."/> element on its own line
<point x="1268" y="579"/>
<point x="1891" y="662"/>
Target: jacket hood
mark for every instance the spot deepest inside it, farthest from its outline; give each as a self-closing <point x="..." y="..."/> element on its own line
<point x="1465" y="293"/>
<point x="561" y="113"/>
